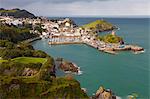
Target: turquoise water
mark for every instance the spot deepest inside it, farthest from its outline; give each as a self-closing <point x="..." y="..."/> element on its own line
<point x="123" y="73"/>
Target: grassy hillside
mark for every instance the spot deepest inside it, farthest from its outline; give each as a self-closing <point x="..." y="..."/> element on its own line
<point x="29" y="60"/>
<point x="109" y="38"/>
<point x="1" y="60"/>
<point x="41" y="85"/>
<point x="99" y="25"/>
<point x="26" y="60"/>
<point x="15" y="34"/>
<point x="17" y="13"/>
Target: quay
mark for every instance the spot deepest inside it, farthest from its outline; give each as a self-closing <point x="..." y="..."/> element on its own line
<point x="110" y="52"/>
<point x="109" y="48"/>
<point x="61" y="43"/>
<point x="101" y="46"/>
<point x="65" y="32"/>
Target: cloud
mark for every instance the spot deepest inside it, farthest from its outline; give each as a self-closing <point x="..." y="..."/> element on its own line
<point x="83" y="7"/>
<point x="20" y="3"/>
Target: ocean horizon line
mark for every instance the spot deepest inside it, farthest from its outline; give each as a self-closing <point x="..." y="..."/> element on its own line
<point x="132" y="16"/>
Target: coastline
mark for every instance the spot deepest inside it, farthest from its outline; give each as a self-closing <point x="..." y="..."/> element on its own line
<point x="136" y="49"/>
<point x="124" y="65"/>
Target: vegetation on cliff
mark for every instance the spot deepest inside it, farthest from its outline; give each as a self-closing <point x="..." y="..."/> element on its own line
<point x="16" y="13"/>
<point x="99" y="26"/>
<point x="15" y="34"/>
<point x="109" y="38"/>
<point x="32" y="76"/>
<point x="41" y="83"/>
<point x="19" y="50"/>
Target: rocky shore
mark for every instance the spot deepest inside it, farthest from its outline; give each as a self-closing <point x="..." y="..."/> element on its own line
<point x="67" y="66"/>
<point x="103" y="93"/>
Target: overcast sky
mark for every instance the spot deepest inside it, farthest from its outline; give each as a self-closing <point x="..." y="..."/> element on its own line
<point x="81" y="7"/>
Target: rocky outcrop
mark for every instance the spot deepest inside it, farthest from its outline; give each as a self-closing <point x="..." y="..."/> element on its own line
<point x="136" y="48"/>
<point x="29" y="72"/>
<point x="67" y="66"/>
<point x="103" y="93"/>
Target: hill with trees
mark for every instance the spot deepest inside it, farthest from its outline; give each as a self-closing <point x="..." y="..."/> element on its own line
<point x="15" y="34"/>
<point x="99" y="26"/>
<point x="16" y="13"/>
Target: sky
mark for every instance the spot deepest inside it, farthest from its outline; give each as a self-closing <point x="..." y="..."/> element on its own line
<point x="81" y="7"/>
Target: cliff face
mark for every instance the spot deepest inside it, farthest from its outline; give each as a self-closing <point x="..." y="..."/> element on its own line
<point x="43" y="84"/>
<point x="17" y="13"/>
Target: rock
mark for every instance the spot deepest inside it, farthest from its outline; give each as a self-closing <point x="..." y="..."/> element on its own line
<point x="136" y="48"/>
<point x="14" y="86"/>
<point x="103" y="93"/>
<point x="29" y="72"/>
<point x="99" y="91"/>
<point x="68" y="66"/>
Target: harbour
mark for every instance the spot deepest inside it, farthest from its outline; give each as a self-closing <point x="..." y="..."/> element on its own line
<point x="120" y="72"/>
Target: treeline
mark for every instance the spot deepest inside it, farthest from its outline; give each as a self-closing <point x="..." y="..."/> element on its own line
<point x="10" y="50"/>
<point x="15" y="34"/>
<point x="109" y="38"/>
<point x="99" y="26"/>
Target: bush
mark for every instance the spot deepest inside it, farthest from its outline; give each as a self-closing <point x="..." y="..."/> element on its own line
<point x="8" y="54"/>
<point x="39" y="53"/>
<point x="109" y="38"/>
<point x="6" y="43"/>
<point x="15" y="34"/>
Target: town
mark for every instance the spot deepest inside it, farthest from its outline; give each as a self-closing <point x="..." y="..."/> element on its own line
<point x="65" y="31"/>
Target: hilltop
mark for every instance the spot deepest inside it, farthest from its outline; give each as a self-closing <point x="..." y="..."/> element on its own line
<point x="99" y="26"/>
<point x="16" y="13"/>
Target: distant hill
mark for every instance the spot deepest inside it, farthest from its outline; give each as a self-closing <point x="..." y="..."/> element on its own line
<point x="17" y="13"/>
<point x="99" y="25"/>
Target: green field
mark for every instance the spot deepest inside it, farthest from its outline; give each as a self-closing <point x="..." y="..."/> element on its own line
<point x="29" y="60"/>
<point x="26" y="60"/>
<point x="1" y="60"/>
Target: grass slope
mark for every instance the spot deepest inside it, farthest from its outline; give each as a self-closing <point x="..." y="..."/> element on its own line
<point x="29" y="60"/>
<point x="26" y="60"/>
<point x="1" y="60"/>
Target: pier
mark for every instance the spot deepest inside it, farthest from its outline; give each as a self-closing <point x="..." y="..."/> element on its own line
<point x="99" y="45"/>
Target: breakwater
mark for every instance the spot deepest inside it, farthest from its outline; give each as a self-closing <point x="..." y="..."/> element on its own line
<point x="104" y="47"/>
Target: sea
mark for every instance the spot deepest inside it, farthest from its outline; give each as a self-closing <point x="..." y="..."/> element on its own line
<point x="125" y="73"/>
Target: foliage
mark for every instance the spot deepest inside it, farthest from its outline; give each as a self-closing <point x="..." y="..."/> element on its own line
<point x="29" y="60"/>
<point x="39" y="28"/>
<point x="47" y="70"/>
<point x="19" y="50"/>
<point x="15" y="34"/>
<point x="99" y="25"/>
<point x="7" y="44"/>
<point x="40" y="85"/>
<point x="14" y="69"/>
<point x="109" y="38"/>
